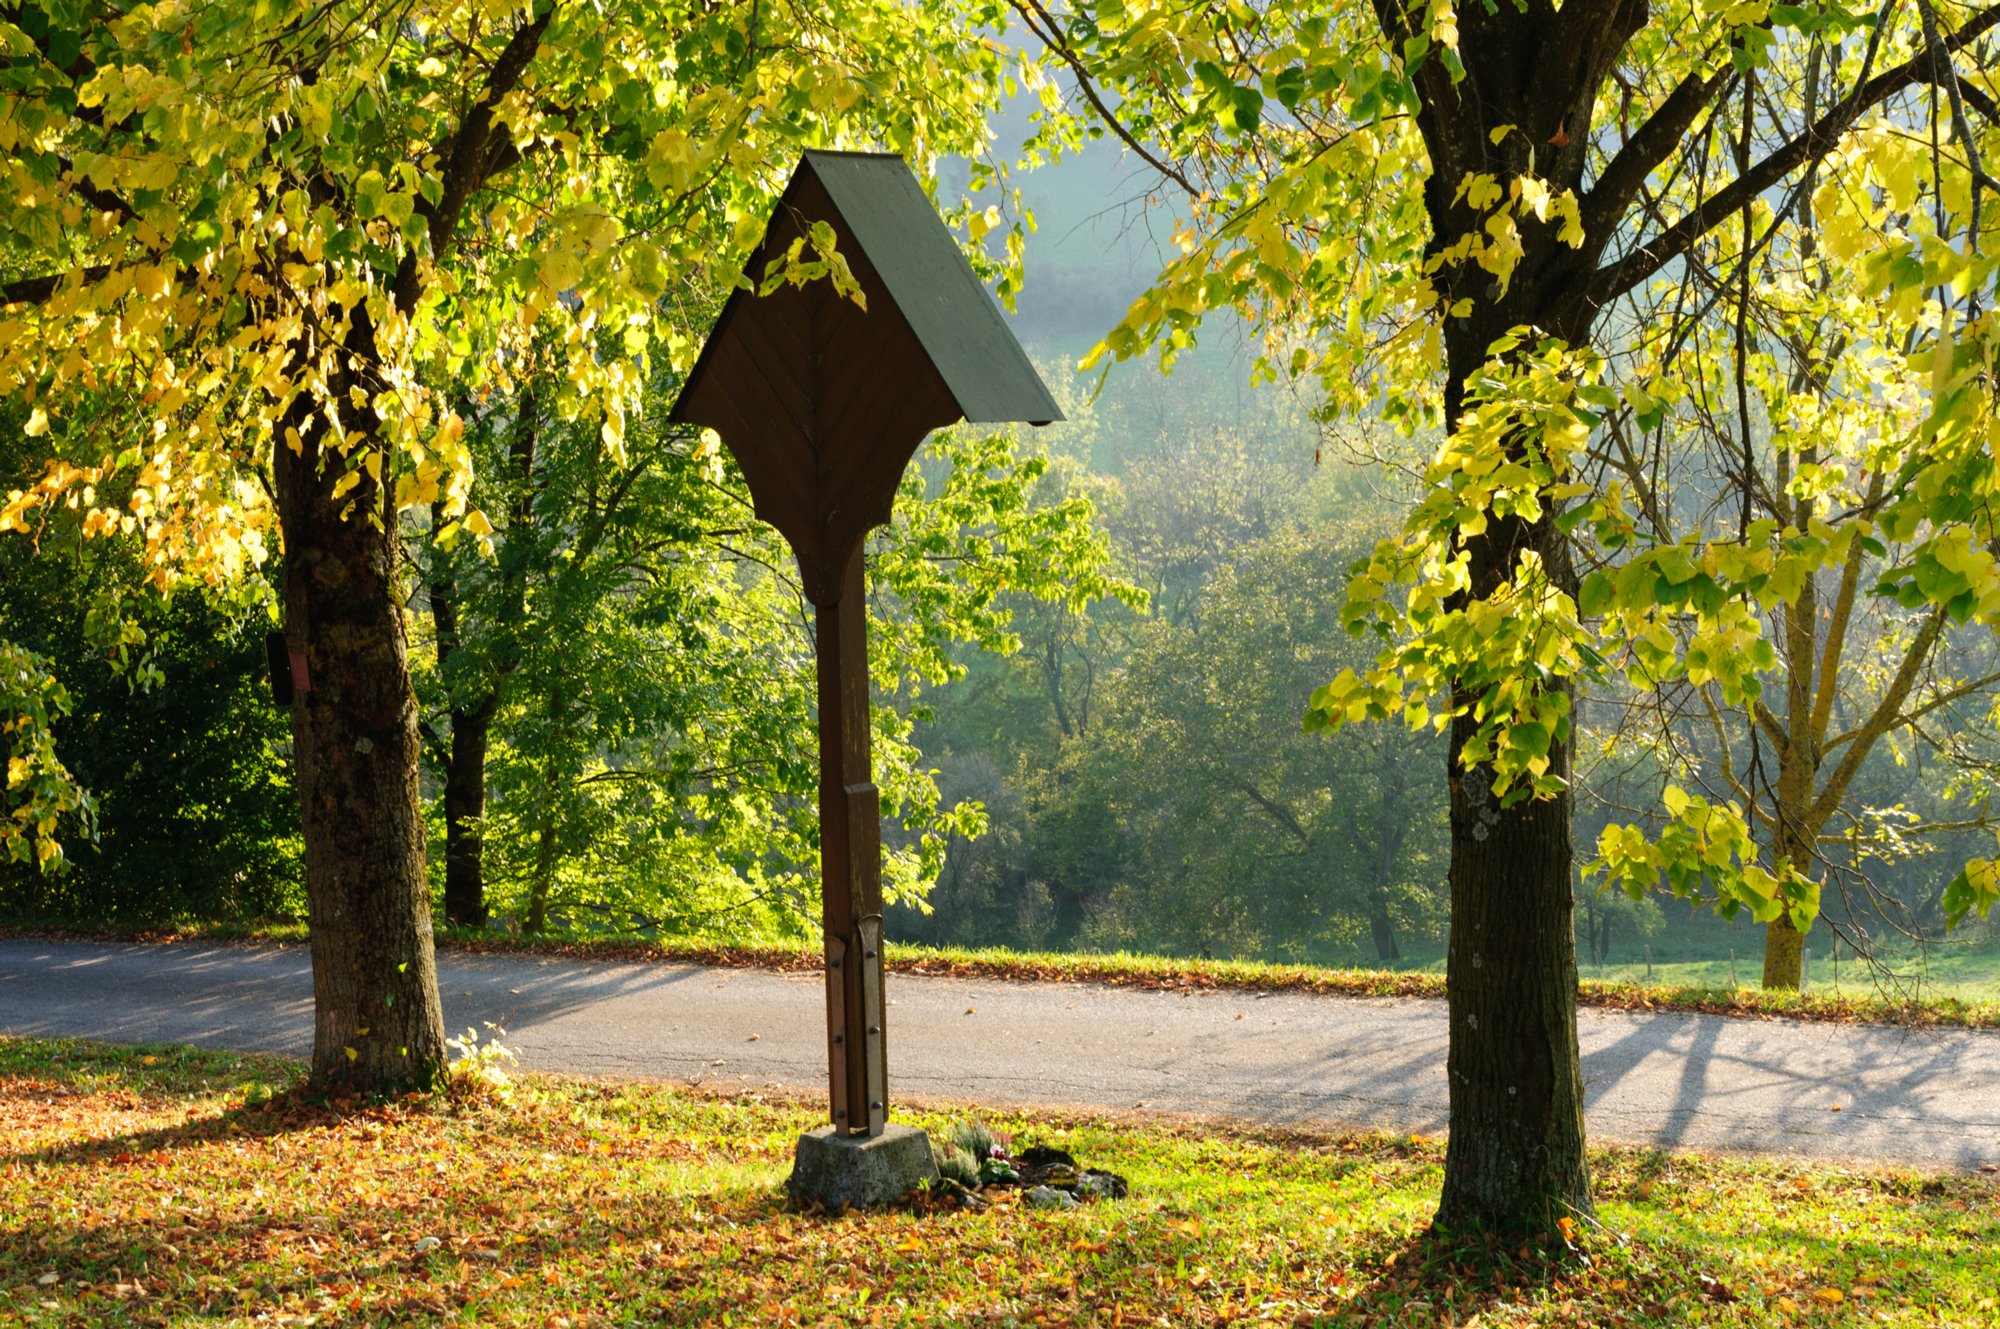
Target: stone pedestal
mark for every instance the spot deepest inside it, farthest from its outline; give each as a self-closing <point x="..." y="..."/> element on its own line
<point x="859" y="1171"/>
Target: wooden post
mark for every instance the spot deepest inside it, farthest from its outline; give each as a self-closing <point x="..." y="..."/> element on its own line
<point x="850" y="857"/>
<point x="823" y="400"/>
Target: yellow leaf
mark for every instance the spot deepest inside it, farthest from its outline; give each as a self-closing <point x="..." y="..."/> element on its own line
<point x="38" y="423"/>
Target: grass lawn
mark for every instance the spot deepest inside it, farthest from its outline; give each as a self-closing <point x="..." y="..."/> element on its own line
<point x="1949" y="972"/>
<point x="167" y="1186"/>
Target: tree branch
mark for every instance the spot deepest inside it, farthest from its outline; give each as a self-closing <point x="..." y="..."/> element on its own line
<point x="1615" y="279"/>
<point x="38" y="290"/>
<point x="1880" y="720"/>
<point x="1626" y="173"/>
<point x="470" y="162"/>
<point x="1049" y="34"/>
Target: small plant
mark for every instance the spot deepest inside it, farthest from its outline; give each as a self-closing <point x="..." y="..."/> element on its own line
<point x="476" y="1068"/>
<point x="956" y="1166"/>
<point x="975" y="1137"/>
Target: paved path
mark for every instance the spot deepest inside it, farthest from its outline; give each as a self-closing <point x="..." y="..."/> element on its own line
<point x="1927" y="1097"/>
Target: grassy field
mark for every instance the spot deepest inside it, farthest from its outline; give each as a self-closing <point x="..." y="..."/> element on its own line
<point x="167" y="1186"/>
<point x="1968" y="976"/>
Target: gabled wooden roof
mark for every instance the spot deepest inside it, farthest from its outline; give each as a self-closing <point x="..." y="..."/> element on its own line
<point x="954" y="316"/>
<point x="823" y="403"/>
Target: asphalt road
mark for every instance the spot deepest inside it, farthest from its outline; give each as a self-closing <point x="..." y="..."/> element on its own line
<point x="1927" y="1097"/>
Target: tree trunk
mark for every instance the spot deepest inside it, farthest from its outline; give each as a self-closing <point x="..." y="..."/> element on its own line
<point x="378" y="1025"/>
<point x="544" y="880"/>
<point x="465" y="816"/>
<point x="1522" y="105"/>
<point x="471" y="725"/>
<point x="1515" y="1161"/>
<point x="1784" y="946"/>
<point x="1383" y="930"/>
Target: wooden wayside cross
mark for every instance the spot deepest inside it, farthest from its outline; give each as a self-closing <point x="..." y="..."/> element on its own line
<point x="823" y="402"/>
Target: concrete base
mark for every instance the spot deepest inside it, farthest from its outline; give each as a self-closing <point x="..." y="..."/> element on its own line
<point x="856" y="1171"/>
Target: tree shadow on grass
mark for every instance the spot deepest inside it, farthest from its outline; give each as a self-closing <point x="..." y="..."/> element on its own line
<point x="290" y="1111"/>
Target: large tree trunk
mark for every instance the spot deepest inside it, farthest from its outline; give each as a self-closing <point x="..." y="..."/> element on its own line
<point x="1784" y="953"/>
<point x="1515" y="1161"/>
<point x="378" y="1025"/>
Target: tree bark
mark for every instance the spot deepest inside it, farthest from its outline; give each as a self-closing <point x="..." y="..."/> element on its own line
<point x="472" y="721"/>
<point x="1784" y="949"/>
<point x="1515" y="1162"/>
<point x="542" y="886"/>
<point x="465" y="815"/>
<point x="1383" y="932"/>
<point x="378" y="1024"/>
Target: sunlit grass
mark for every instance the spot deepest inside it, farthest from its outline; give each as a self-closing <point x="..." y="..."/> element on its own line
<point x="170" y="1192"/>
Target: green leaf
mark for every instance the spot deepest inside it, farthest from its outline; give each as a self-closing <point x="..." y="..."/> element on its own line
<point x="1597" y="595"/>
<point x="1244" y="109"/>
<point x="369" y="194"/>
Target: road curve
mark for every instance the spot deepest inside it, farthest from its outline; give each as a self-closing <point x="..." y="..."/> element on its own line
<point x="1849" y="1092"/>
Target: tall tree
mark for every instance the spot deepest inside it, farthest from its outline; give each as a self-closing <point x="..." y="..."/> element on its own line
<point x="1437" y="210"/>
<point x="1850" y="672"/>
<point x="250" y="250"/>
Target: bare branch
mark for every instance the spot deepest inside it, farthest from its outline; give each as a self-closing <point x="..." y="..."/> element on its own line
<point x="1616" y="278"/>
<point x="1049" y="33"/>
